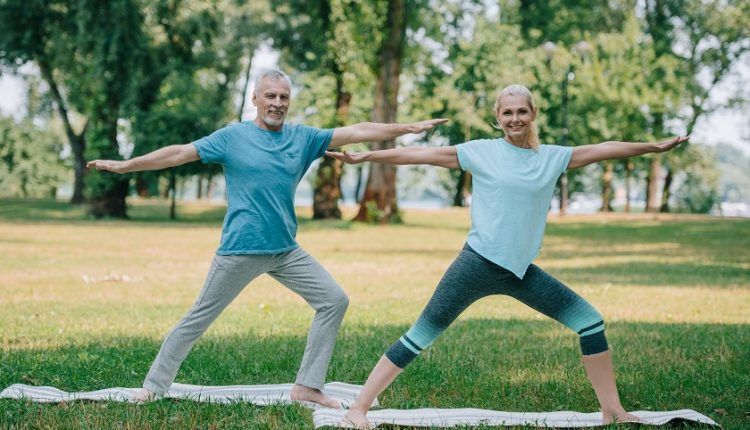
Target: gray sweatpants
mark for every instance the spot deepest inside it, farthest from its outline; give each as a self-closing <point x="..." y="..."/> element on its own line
<point x="229" y="275"/>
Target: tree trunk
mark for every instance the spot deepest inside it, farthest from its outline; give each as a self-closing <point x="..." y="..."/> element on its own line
<point x="609" y="170"/>
<point x="209" y="186"/>
<point x="358" y="194"/>
<point x="629" y="166"/>
<point x="564" y="193"/>
<point x="141" y="186"/>
<point x="109" y="199"/>
<point x="77" y="141"/>
<point x="665" y="192"/>
<point x="78" y="146"/>
<point x="652" y="184"/>
<point x="113" y="204"/>
<point x="459" y="199"/>
<point x="327" y="190"/>
<point x="379" y="202"/>
<point x="245" y="87"/>
<point x="199" y="187"/>
<point x="173" y="192"/>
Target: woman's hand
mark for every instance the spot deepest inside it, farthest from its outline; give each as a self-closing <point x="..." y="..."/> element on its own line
<point x="669" y="144"/>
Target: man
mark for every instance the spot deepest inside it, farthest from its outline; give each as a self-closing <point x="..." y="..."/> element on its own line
<point x="263" y="162"/>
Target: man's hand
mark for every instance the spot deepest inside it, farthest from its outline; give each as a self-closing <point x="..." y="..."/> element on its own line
<point x="669" y="144"/>
<point x="418" y="127"/>
<point x="107" y="165"/>
<point x="348" y="157"/>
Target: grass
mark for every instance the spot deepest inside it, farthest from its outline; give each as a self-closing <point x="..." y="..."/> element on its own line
<point x="675" y="292"/>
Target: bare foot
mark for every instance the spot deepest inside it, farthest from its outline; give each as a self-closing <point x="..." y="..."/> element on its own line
<point x="300" y="393"/>
<point x="142" y="396"/>
<point x="356" y="419"/>
<point x="620" y="417"/>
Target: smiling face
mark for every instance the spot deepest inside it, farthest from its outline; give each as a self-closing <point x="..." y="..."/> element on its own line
<point x="271" y="97"/>
<point x="516" y="117"/>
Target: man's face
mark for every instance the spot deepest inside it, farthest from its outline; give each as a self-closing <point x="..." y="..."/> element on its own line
<point x="272" y="100"/>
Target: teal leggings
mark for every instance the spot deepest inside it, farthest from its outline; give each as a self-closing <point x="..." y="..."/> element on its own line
<point x="472" y="277"/>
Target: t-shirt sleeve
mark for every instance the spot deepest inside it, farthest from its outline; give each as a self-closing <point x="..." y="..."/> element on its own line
<point x="559" y="157"/>
<point x="213" y="147"/>
<point x="317" y="139"/>
<point x="468" y="155"/>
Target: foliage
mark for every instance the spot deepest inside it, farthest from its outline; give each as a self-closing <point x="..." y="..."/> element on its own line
<point x="698" y="192"/>
<point x="734" y="180"/>
<point x="141" y="75"/>
<point x="30" y="164"/>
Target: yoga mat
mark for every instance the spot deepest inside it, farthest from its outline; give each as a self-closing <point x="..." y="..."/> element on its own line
<point x="476" y="417"/>
<point x="256" y="394"/>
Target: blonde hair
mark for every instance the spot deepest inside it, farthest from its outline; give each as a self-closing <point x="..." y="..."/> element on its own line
<point x="519" y="90"/>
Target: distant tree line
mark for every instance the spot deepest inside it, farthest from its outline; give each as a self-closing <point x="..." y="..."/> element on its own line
<point x="120" y="78"/>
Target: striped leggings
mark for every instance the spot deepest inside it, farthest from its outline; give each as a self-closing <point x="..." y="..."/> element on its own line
<point x="472" y="277"/>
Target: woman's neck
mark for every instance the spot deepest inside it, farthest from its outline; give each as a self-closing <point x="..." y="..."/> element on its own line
<point x="521" y="142"/>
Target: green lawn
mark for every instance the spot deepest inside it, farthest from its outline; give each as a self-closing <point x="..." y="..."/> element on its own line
<point x="674" y="290"/>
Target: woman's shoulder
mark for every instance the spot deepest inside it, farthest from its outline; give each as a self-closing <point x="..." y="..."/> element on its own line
<point x="554" y="149"/>
<point x="480" y="143"/>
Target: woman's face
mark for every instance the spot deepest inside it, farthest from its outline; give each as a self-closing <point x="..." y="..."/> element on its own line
<point x="515" y="116"/>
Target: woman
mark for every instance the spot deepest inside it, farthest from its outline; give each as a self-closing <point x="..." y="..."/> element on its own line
<point x="513" y="182"/>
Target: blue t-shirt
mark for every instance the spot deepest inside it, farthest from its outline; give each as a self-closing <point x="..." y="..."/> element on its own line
<point x="262" y="169"/>
<point x="512" y="191"/>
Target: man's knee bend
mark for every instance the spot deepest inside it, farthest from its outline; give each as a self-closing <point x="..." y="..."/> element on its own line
<point x="339" y="302"/>
<point x="594" y="343"/>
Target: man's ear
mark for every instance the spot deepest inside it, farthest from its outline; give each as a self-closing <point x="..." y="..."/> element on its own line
<point x="253" y="99"/>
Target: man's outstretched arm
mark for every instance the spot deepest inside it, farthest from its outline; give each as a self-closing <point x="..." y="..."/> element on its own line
<point x="169" y="156"/>
<point x="376" y="132"/>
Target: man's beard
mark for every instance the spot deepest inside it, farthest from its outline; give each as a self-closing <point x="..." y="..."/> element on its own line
<point x="268" y="119"/>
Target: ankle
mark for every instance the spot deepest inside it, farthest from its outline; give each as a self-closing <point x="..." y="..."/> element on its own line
<point x="356" y="407"/>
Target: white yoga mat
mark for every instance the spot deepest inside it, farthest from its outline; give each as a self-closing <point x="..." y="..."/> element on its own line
<point x="476" y="417"/>
<point x="256" y="394"/>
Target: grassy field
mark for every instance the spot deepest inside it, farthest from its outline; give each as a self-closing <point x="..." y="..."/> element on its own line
<point x="674" y="290"/>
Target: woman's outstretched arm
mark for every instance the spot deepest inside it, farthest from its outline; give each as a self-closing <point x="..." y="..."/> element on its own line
<point x="443" y="156"/>
<point x="587" y="154"/>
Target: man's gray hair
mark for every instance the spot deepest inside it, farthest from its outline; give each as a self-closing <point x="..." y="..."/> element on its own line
<point x="273" y="74"/>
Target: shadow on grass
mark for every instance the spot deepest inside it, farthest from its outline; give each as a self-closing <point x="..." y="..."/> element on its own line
<point x="715" y="230"/>
<point x="659" y="275"/>
<point x="511" y="365"/>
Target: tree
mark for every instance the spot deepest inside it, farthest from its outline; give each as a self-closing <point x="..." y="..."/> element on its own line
<point x="615" y="97"/>
<point x="568" y="22"/>
<point x="43" y="32"/>
<point x="698" y="190"/>
<point x="30" y="164"/>
<point x="457" y="73"/>
<point x="709" y="38"/>
<point x="196" y="57"/>
<point x="379" y="203"/>
<point x="325" y="39"/>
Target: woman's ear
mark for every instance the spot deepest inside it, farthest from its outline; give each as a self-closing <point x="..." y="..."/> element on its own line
<point x="534" y="112"/>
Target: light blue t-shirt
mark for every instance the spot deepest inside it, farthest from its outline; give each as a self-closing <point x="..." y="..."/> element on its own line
<point x="262" y="169"/>
<point x="512" y="191"/>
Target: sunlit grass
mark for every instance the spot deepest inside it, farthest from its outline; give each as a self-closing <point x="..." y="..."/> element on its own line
<point x="675" y="292"/>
